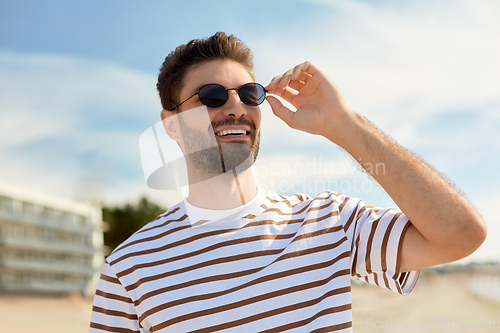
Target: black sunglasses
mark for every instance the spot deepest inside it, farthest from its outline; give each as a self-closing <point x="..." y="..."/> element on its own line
<point x="214" y="95"/>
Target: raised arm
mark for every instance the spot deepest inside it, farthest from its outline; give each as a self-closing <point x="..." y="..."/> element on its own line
<point x="445" y="226"/>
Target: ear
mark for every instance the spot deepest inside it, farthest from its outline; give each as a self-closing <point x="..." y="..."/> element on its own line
<point x="171" y="124"/>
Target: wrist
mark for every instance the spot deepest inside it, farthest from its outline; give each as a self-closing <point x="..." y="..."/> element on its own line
<point x="346" y="130"/>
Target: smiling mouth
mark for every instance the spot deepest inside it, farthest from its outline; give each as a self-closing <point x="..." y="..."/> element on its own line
<point x="231" y="132"/>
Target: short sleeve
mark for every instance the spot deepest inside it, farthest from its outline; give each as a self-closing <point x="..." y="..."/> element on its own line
<point x="376" y="237"/>
<point x="113" y="309"/>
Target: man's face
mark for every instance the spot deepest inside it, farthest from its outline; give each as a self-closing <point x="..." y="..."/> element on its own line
<point x="233" y="115"/>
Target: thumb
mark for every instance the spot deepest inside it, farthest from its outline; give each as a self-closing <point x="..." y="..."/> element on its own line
<point x="280" y="110"/>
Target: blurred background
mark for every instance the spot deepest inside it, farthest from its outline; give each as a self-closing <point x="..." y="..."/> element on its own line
<point x="77" y="89"/>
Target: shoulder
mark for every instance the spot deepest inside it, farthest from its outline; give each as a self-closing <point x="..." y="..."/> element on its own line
<point x="301" y="198"/>
<point x="152" y="231"/>
<point x="303" y="203"/>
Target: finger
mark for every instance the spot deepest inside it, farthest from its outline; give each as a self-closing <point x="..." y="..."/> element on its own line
<point x="296" y="84"/>
<point x="304" y="76"/>
<point x="285" y="79"/>
<point x="296" y="73"/>
<point x="288" y="94"/>
<point x="271" y="87"/>
<point x="280" y="110"/>
<point x="299" y="72"/>
<point x="310" y="68"/>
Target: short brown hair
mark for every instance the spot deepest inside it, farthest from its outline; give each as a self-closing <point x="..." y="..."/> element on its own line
<point x="177" y="63"/>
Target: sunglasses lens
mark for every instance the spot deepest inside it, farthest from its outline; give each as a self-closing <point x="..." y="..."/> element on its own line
<point x="213" y="95"/>
<point x="252" y="94"/>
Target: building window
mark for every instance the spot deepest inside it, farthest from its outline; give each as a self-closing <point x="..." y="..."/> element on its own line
<point x="6" y="205"/>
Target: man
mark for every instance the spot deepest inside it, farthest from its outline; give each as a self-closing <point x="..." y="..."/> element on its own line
<point x="234" y="257"/>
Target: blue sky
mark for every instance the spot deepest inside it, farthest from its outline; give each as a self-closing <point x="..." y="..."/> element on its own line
<point x="77" y="89"/>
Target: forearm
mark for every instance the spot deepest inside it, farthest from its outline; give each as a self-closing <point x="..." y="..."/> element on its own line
<point x="445" y="226"/>
<point x="443" y="216"/>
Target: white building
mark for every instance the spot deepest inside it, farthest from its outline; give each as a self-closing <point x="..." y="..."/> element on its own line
<point x="49" y="244"/>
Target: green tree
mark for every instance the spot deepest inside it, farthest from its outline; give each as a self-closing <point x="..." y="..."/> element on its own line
<point x="125" y="220"/>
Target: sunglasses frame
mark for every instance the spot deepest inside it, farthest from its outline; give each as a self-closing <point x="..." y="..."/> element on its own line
<point x="227" y="95"/>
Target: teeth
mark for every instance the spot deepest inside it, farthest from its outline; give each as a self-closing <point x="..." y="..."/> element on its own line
<point x="232" y="131"/>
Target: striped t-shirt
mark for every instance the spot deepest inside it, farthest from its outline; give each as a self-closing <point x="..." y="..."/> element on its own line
<point x="278" y="265"/>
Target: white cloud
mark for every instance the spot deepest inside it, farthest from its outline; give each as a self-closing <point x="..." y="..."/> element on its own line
<point x="71" y="125"/>
<point x="399" y="63"/>
<point x="403" y="65"/>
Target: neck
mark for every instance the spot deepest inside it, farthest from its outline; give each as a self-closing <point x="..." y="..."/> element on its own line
<point x="224" y="191"/>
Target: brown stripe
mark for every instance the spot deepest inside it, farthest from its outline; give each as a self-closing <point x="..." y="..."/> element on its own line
<point x="213" y="233"/>
<point x="182" y="218"/>
<point x="114" y="313"/>
<point x="209" y="248"/>
<point x="399" y="282"/>
<point x="349" y="221"/>
<point x="321" y="218"/>
<point x="284" y="309"/>
<point x="306" y="208"/>
<point x="385" y="242"/>
<point x="112" y="329"/>
<point x="261" y="279"/>
<point x="405" y="279"/>
<point x="333" y="328"/>
<point x="171" y="245"/>
<point x="216" y="261"/>
<point x="369" y="243"/>
<point x="357" y="218"/>
<point x="323" y="206"/>
<point x="400" y="247"/>
<point x="386" y="281"/>
<point x="355" y="259"/>
<point x="376" y="210"/>
<point x="157" y="236"/>
<point x="280" y="212"/>
<point x="360" y="212"/>
<point x="375" y="275"/>
<point x="324" y="312"/>
<point x="196" y="237"/>
<point x="317" y="233"/>
<point x="285" y="201"/>
<point x="159" y="217"/>
<point x="109" y="279"/>
<point x="113" y="296"/>
<point x="236" y="257"/>
<point x="260" y="298"/>
<point x="356" y="244"/>
<point x="165" y="214"/>
<point x="342" y="205"/>
<point x="250" y="216"/>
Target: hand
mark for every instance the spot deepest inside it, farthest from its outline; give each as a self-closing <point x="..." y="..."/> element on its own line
<point x="321" y="108"/>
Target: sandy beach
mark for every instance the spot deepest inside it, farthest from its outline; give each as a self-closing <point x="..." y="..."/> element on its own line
<point x="438" y="304"/>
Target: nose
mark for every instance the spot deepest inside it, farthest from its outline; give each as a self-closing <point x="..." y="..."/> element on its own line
<point x="234" y="107"/>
